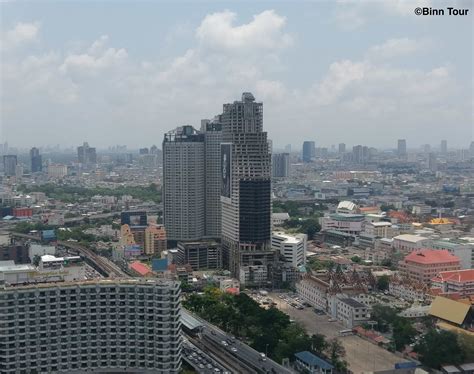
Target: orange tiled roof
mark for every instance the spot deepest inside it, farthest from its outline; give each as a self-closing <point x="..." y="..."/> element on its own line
<point x="431" y="256"/>
<point x="459" y="276"/>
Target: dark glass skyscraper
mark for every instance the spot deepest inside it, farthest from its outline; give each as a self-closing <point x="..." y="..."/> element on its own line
<point x="309" y="151"/>
<point x="36" y="160"/>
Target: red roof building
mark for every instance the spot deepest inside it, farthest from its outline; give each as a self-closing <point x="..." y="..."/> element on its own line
<point x="423" y="265"/>
<point x="457" y="281"/>
<point x="140" y="269"/>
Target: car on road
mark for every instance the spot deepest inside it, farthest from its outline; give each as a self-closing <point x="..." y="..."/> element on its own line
<point x="224" y="343"/>
<point x="263" y="357"/>
<point x="233" y="349"/>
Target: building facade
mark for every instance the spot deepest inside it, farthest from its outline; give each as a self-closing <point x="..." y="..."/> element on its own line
<point x="212" y="144"/>
<point x="309" y="151"/>
<point x="184" y="184"/>
<point x="246" y="186"/>
<point x="291" y="247"/>
<point x="202" y="255"/>
<point x="423" y="265"/>
<point x="281" y="165"/>
<point x="126" y="326"/>
<point x="9" y="165"/>
<point x="36" y="160"/>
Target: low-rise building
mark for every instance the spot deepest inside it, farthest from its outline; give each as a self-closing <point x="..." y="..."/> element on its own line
<point x="351" y="312"/>
<point x="458" y="281"/>
<point x="201" y="255"/>
<point x="407" y="242"/>
<point x="307" y="362"/>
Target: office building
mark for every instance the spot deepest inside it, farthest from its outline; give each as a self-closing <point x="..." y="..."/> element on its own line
<point x="402" y="148"/>
<point x="212" y="164"/>
<point x="342" y="148"/>
<point x="202" y="255"/>
<point x="309" y="151"/>
<point x="280" y="165"/>
<point x="36" y="160"/>
<point x="288" y="148"/>
<point x="444" y="147"/>
<point x="246" y="188"/>
<point x="143" y="151"/>
<point x="9" y="165"/>
<point x="184" y="184"/>
<point x="86" y="155"/>
<point x="91" y="326"/>
<point x="136" y="221"/>
<point x="292" y="248"/>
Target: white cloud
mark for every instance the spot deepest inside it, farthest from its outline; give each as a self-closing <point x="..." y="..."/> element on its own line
<point x="97" y="57"/>
<point x="217" y="31"/>
<point x="398" y="47"/>
<point x="23" y="32"/>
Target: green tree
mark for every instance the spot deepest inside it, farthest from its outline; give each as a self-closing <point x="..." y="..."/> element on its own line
<point x="335" y="351"/>
<point x="437" y="348"/>
<point x="318" y="343"/>
<point x="467" y="345"/>
<point x="356" y="259"/>
<point x="403" y="333"/>
<point x="383" y="283"/>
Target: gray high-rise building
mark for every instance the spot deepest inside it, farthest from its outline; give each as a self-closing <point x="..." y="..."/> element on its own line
<point x="36" y="160"/>
<point x="184" y="184"/>
<point x="402" y="148"/>
<point x="126" y="326"/>
<point x="86" y="155"/>
<point x="9" y="165"/>
<point x="212" y="149"/>
<point x="309" y="151"/>
<point x="342" y="148"/>
<point x="444" y="147"/>
<point x="432" y="162"/>
<point x="471" y="150"/>
<point x="246" y="190"/>
<point x="280" y="165"/>
<point x="360" y="154"/>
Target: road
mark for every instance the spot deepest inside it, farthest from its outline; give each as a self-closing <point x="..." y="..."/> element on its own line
<point x="243" y="352"/>
<point x="361" y="355"/>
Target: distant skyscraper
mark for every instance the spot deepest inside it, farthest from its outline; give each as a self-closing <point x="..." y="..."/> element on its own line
<point x="432" y="162"/>
<point x="246" y="190"/>
<point x="288" y="148"/>
<point x="184" y="184"/>
<point x="402" y="148"/>
<point x="154" y="150"/>
<point x="143" y="151"/>
<point x="9" y="165"/>
<point x="360" y="154"/>
<point x="309" y="151"/>
<point x="280" y="165"/>
<point x="426" y="148"/>
<point x="86" y="155"/>
<point x="471" y="150"/>
<point x="36" y="160"/>
<point x="444" y="147"/>
<point x="342" y="148"/>
<point x="212" y="143"/>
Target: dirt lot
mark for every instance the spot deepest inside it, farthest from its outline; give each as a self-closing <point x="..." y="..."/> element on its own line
<point x="362" y="356"/>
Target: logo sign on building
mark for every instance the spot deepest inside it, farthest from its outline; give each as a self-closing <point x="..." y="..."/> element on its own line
<point x="226" y="172"/>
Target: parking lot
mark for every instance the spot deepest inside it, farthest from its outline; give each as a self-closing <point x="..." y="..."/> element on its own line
<point x="362" y="356"/>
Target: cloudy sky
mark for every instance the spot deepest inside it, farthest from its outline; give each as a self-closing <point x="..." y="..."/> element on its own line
<point x="359" y="72"/>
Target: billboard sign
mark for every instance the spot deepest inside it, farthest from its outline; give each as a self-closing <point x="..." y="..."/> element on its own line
<point x="226" y="172"/>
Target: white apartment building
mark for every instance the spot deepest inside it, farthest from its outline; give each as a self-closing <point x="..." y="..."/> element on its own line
<point x="57" y="171"/>
<point x="291" y="247"/>
<point x="408" y="242"/>
<point x="125" y="326"/>
<point x="253" y="274"/>
<point x="351" y="312"/>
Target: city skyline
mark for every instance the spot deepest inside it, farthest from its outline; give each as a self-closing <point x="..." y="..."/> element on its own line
<point x="129" y="85"/>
